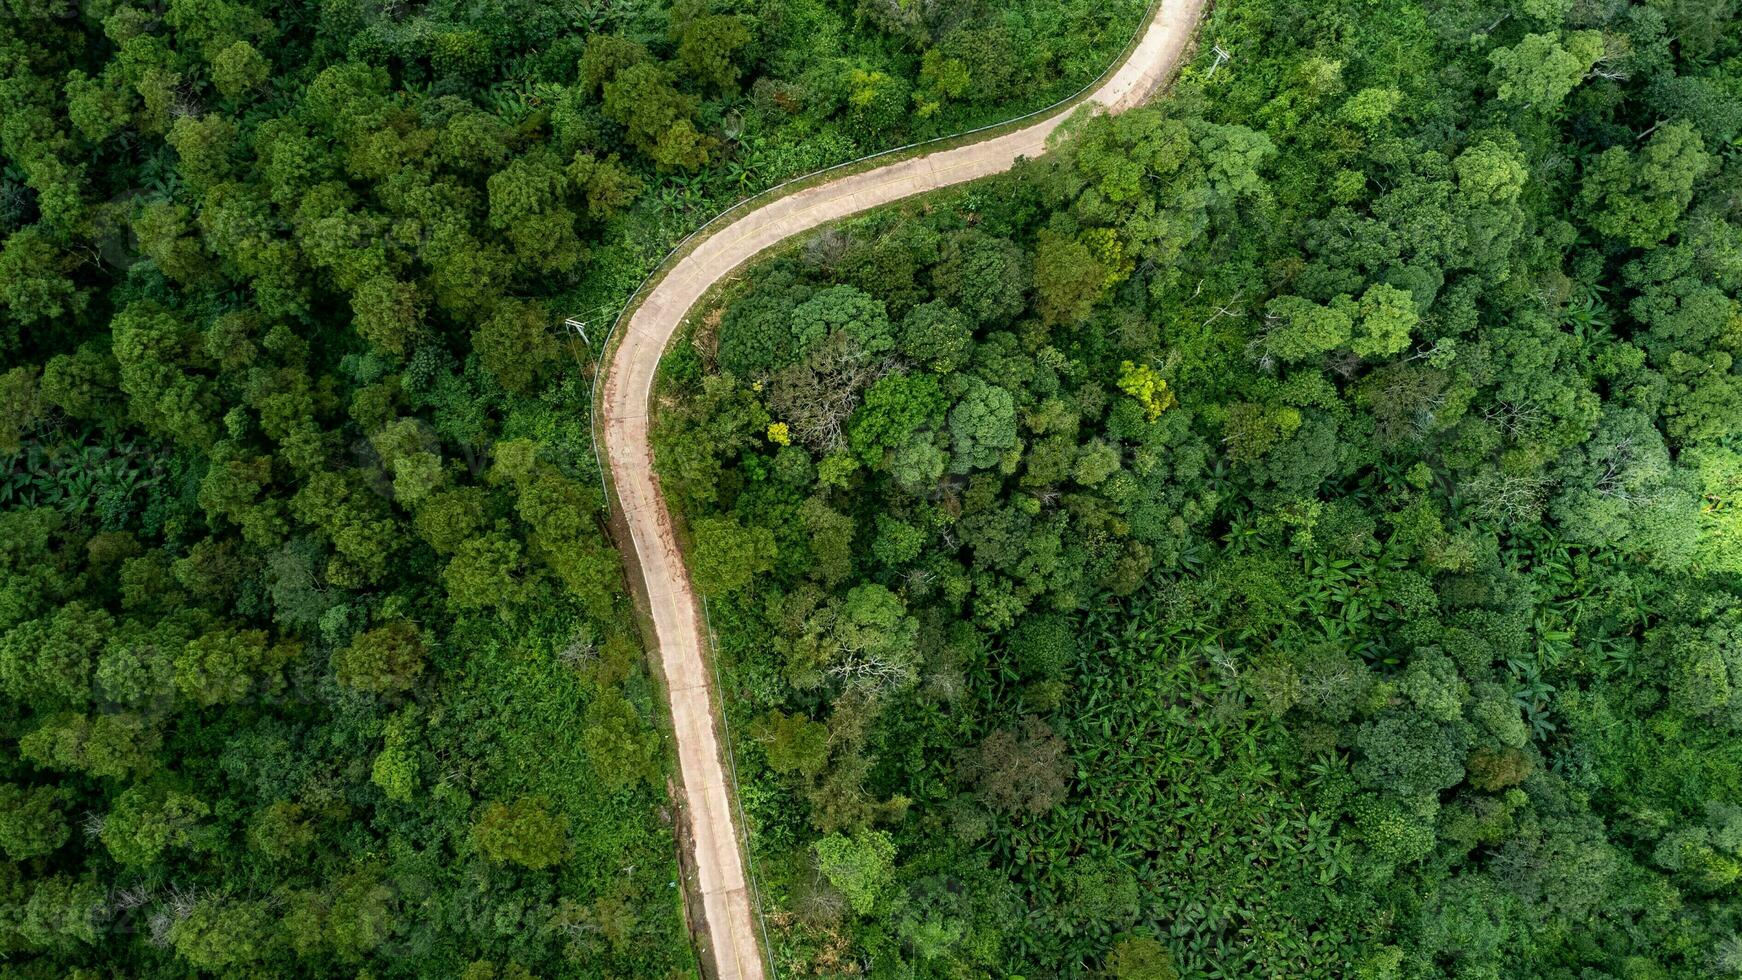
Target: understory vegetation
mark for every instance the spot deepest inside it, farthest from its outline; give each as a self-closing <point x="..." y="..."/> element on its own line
<point x="314" y="660"/>
<point x="1294" y="530"/>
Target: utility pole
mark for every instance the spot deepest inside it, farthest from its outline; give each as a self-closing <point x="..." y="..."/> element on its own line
<point x="1221" y="56"/>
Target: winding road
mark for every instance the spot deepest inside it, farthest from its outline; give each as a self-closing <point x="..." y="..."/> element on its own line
<point x="623" y="407"/>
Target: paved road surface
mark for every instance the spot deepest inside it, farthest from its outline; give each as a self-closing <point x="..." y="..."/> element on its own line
<point x="676" y="614"/>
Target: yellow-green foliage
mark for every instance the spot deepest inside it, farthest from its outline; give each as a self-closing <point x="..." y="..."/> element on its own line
<point x="1145" y="384"/>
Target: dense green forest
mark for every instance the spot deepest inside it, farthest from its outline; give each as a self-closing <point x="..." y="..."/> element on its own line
<point x="313" y="657"/>
<point x="1294" y="530"/>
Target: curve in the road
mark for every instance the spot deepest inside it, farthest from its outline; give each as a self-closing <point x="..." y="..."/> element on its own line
<point x="624" y="406"/>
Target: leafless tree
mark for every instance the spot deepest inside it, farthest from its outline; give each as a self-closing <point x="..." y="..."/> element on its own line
<point x="185" y="102"/>
<point x="1258" y="348"/>
<point x="1513" y="418"/>
<point x="1616" y="463"/>
<point x="1343" y="363"/>
<point x="816" y="396"/>
<point x="1427" y="353"/>
<point x="1020" y="770"/>
<point x="1227" y="309"/>
<point x="820" y="903"/>
<point x="132" y="897"/>
<point x="872" y="669"/>
<point x="581" y="649"/>
<point x="1424" y="418"/>
<point x="1508" y="499"/>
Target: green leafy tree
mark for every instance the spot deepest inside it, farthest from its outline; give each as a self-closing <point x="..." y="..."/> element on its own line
<point x="524" y="832"/>
<point x="161" y="360"/>
<point x="529" y="204"/>
<point x="165" y="231"/>
<point x="1393" y="834"/>
<point x="387" y="313"/>
<point x="221" y="933"/>
<point x="623" y="750"/>
<point x="938" y="335"/>
<point x="98" y="107"/>
<point x="447" y="519"/>
<point x="239" y="69"/>
<point x="51" y="660"/>
<point x="606" y="55"/>
<point x="1636" y="198"/>
<point x="20" y="407"/>
<point x="1491" y="179"/>
<point x="117" y="745"/>
<point x="708" y="46"/>
<point x="942" y="79"/>
<point x="1541" y="70"/>
<point x="516" y="344"/>
<point x="982" y="428"/>
<point x="1706" y="673"/>
<point x="895" y="408"/>
<point x="830" y="537"/>
<point x="1467" y="920"/>
<point x="1068" y="278"/>
<point x="225" y="666"/>
<point x="609" y="187"/>
<point x="660" y="120"/>
<point x="485" y="573"/>
<point x="382" y="660"/>
<point x="1304" y="329"/>
<point x="1140" y="958"/>
<point x="726" y="555"/>
<point x="985" y="277"/>
<point x="1387" y="315"/>
<point x="84" y="384"/>
<point x="793" y="743"/>
<point x="918" y="464"/>
<point x="146" y="820"/>
<point x="60" y="913"/>
<point x="861" y="866"/>
<point x="1705" y="857"/>
<point x="36" y="278"/>
<point x="206" y="147"/>
<point x="756" y="332"/>
<point x="395" y="771"/>
<point x="32" y="823"/>
<point x="281" y="830"/>
<point x="1044" y="646"/>
<point x="877" y="100"/>
<point x="461" y="53"/>
<point x="845" y="309"/>
<point x="1410" y="755"/>
<point x="897" y="542"/>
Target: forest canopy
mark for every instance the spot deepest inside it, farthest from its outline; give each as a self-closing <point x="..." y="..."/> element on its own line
<point x="314" y="658"/>
<point x="1291" y="530"/>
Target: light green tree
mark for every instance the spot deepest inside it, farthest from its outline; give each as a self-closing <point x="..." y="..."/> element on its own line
<point x="727" y="555"/>
<point x="1637" y="198"/>
<point x="861" y="866"/>
<point x="525" y="832"/>
<point x="1540" y="71"/>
